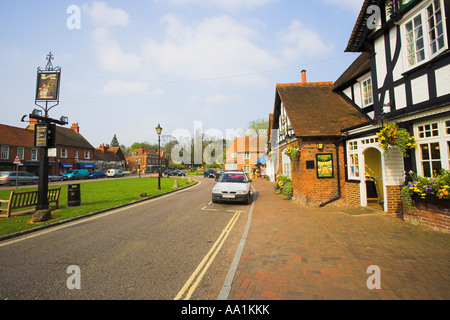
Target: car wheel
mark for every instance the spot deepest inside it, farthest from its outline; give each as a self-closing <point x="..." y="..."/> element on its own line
<point x="247" y="201"/>
<point x="214" y="200"/>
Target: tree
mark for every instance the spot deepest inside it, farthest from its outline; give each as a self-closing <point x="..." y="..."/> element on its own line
<point x="114" y="142"/>
<point x="259" y="127"/>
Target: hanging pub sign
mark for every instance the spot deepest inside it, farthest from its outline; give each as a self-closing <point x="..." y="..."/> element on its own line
<point x="44" y="135"/>
<point x="324" y="166"/>
<point x="41" y="135"/>
<point x="47" y="87"/>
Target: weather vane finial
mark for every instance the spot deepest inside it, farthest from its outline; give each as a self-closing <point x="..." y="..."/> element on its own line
<point x="49" y="58"/>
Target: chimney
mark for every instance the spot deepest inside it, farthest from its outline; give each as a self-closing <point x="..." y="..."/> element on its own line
<point x="104" y="147"/>
<point x="303" y="76"/>
<point x="75" y="127"/>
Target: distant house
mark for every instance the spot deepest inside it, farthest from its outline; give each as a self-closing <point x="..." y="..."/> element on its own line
<point x="106" y="157"/>
<point x="18" y="142"/>
<point x="145" y="160"/>
<point x="245" y="153"/>
<point x="73" y="151"/>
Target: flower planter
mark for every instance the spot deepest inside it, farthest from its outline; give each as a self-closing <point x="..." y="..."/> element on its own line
<point x="431" y="212"/>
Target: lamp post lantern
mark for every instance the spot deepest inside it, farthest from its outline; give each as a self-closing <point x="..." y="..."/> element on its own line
<point x="158" y="131"/>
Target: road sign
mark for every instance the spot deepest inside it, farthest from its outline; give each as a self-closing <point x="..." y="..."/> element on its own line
<point x="17" y="160"/>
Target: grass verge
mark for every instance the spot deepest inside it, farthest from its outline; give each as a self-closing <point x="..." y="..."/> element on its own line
<point x="95" y="196"/>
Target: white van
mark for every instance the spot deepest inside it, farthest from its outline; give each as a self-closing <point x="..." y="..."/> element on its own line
<point x="112" y="173"/>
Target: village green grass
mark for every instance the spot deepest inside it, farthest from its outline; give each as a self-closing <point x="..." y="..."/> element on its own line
<point x="95" y="196"/>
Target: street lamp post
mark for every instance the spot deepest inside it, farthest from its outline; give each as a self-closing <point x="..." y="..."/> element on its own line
<point x="158" y="131"/>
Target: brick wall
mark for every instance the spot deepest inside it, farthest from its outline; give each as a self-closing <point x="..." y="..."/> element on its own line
<point x="433" y="215"/>
<point x="308" y="188"/>
<point x="353" y="193"/>
<point x="393" y="200"/>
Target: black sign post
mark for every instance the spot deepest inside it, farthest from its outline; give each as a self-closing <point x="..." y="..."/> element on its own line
<point x="47" y="91"/>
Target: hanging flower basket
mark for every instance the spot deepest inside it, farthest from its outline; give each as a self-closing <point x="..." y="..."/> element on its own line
<point x="293" y="152"/>
<point x="394" y="136"/>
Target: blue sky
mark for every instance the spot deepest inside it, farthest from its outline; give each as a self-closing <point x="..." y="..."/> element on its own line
<point x="134" y="64"/>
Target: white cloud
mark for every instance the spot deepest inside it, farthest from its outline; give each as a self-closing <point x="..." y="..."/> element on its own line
<point x="111" y="55"/>
<point x="300" y="41"/>
<point x="123" y="88"/>
<point x="218" y="46"/>
<point x="104" y="15"/>
<point x="225" y="4"/>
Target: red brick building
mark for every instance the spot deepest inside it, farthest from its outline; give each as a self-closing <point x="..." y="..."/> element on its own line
<point x="244" y="153"/>
<point x="145" y="160"/>
<point x="72" y="150"/>
<point x="106" y="157"/>
<point x="310" y="116"/>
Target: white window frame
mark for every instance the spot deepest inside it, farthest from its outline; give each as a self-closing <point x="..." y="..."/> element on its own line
<point x="354" y="168"/>
<point x="246" y="156"/>
<point x="422" y="11"/>
<point x="286" y="164"/>
<point x="87" y="155"/>
<point x="5" y="152"/>
<point x="34" y="154"/>
<point x="21" y="153"/>
<point x="428" y="135"/>
<point x="64" y="153"/>
<point x="247" y="169"/>
<point x="364" y="84"/>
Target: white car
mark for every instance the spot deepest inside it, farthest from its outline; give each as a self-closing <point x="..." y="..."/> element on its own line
<point x="232" y="186"/>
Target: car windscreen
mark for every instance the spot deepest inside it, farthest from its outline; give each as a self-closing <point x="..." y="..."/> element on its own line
<point x="226" y="177"/>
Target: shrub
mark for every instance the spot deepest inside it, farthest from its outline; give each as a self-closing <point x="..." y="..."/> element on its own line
<point x="288" y="190"/>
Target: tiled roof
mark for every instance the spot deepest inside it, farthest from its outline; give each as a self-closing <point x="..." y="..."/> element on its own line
<point x="106" y="156"/>
<point x="14" y="136"/>
<point x="70" y="138"/>
<point x="359" y="67"/>
<point x="314" y="110"/>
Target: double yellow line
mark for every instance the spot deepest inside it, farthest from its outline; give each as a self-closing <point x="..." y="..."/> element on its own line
<point x="190" y="286"/>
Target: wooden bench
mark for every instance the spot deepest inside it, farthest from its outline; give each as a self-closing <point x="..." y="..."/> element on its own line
<point x="27" y="199"/>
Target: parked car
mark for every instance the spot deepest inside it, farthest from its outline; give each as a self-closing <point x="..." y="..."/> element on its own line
<point x="10" y="177"/>
<point x="232" y="186"/>
<point x="218" y="174"/>
<point x="55" y="178"/>
<point x="209" y="173"/>
<point x="114" y="173"/>
<point x="76" y="174"/>
<point x="168" y="172"/>
<point x="178" y="173"/>
<point x="97" y="174"/>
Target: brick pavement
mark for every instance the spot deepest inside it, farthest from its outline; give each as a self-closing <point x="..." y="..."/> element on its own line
<point x="300" y="253"/>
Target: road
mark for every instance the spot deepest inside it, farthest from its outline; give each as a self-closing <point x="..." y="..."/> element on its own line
<point x="177" y="246"/>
